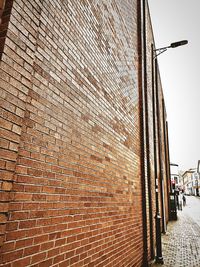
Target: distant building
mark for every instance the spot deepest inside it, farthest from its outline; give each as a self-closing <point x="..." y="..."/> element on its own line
<point x="190" y="181"/>
<point x="175" y="180"/>
<point x="195" y="183"/>
<point x="198" y="179"/>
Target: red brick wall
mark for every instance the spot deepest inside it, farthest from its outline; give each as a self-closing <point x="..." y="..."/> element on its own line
<point x="70" y="162"/>
<point x="70" y="135"/>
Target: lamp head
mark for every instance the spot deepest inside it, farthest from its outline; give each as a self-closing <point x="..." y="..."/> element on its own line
<point x="180" y="43"/>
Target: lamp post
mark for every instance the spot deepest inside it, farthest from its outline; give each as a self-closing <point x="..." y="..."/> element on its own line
<point x="156" y="134"/>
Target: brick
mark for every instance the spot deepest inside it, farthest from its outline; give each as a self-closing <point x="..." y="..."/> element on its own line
<point x="47" y="245"/>
<point x="22" y="262"/>
<point x="64" y="263"/>
<point x="16" y="129"/>
<point x="53" y="252"/>
<point x="6" y="154"/>
<point x="5" y="124"/>
<point x="20" y="112"/>
<point x="21" y="169"/>
<point x="13" y="146"/>
<point x="6" y="186"/>
<point x="6" y="176"/>
<point x="4" y="196"/>
<point x="3" y="207"/>
<point x="10" y="226"/>
<point x="74" y="259"/>
<point x="13" y="206"/>
<point x="15" y="235"/>
<point x="27" y="224"/>
<point x="45" y="263"/>
<point x="23" y="196"/>
<point x="38" y="257"/>
<point x="19" y="215"/>
<point x="24" y="243"/>
<point x="2" y="164"/>
<point x="1" y="240"/>
<point x="31" y="250"/>
<point x="10" y="246"/>
<point x="12" y="256"/>
<point x="10" y="166"/>
<point x="40" y="239"/>
<point x="2" y="228"/>
<point x="58" y="258"/>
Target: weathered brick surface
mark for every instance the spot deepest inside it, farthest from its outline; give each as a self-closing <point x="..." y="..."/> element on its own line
<point x="70" y="136"/>
<point x="72" y="93"/>
<point x="14" y="87"/>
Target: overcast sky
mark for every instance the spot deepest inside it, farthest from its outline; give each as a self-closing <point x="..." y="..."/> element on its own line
<point x="175" y="20"/>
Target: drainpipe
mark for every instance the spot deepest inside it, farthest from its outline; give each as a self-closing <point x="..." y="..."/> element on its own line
<point x="159" y="258"/>
<point x="160" y="153"/>
<point x="169" y="171"/>
<point x="166" y="155"/>
<point x="142" y="71"/>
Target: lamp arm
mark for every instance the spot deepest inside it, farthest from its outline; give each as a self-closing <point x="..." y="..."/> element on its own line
<point x="160" y="51"/>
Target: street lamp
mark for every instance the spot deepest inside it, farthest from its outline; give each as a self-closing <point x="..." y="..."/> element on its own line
<point x="156" y="131"/>
<point x="161" y="50"/>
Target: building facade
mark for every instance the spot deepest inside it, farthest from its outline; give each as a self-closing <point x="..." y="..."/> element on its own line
<point x="191" y="182"/>
<point x="175" y="178"/>
<point x="84" y="154"/>
<point x="195" y="183"/>
<point x="188" y="178"/>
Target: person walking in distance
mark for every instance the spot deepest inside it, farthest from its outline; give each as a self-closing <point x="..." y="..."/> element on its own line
<point x="184" y="200"/>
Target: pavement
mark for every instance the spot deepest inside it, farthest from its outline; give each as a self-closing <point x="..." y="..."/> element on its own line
<point x="181" y="243"/>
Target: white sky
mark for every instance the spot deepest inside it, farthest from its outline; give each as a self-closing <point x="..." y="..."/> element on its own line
<point x="175" y="20"/>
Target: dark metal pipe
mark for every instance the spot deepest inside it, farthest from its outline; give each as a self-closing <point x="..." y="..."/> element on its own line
<point x="142" y="62"/>
<point x="159" y="257"/>
<point x="154" y="129"/>
<point x="169" y="171"/>
<point x="167" y="164"/>
<point x="159" y="147"/>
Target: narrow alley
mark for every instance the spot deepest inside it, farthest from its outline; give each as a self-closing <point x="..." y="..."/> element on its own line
<point x="181" y="244"/>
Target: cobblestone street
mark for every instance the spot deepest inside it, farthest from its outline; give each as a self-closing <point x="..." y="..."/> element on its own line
<point x="181" y="244"/>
